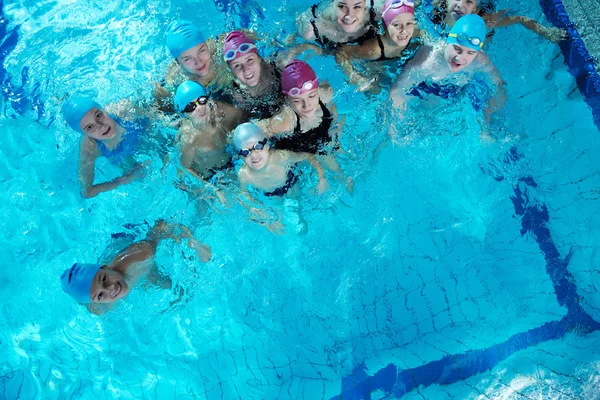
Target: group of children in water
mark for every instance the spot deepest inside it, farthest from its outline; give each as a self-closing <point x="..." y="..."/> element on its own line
<point x="274" y="112"/>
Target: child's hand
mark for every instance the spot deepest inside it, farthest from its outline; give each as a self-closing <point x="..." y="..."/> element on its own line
<point x="276" y="228"/>
<point x="138" y="172"/>
<point x="323" y="185"/>
<point x="555" y="35"/>
<point x="203" y="250"/>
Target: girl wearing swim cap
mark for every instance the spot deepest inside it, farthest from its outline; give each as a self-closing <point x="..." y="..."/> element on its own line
<point x="258" y="81"/>
<point x="100" y="286"/>
<point x="447" y="67"/>
<point x="105" y="135"/>
<point x="447" y="12"/>
<point x="396" y="44"/>
<point x="306" y="123"/>
<point x="336" y="22"/>
<point x="205" y="130"/>
<point x="195" y="60"/>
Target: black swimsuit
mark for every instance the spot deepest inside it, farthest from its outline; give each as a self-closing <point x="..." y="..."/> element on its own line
<point x="330" y="44"/>
<point x="292" y="179"/>
<point x="311" y="141"/>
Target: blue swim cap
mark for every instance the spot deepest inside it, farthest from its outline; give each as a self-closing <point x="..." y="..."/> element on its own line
<point x="469" y="31"/>
<point x="246" y="132"/>
<point x="75" y="108"/>
<point x="187" y="92"/>
<point x="182" y="36"/>
<point x="77" y="281"/>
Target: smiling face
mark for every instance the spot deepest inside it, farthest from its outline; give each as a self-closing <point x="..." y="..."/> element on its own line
<point x="401" y="29"/>
<point x="247" y="69"/>
<point x="305" y="104"/>
<point x="108" y="286"/>
<point x="349" y="14"/>
<point x="257" y="159"/>
<point x="196" y="61"/>
<point x="98" y="125"/>
<point x="458" y="8"/>
<point x="459" y="57"/>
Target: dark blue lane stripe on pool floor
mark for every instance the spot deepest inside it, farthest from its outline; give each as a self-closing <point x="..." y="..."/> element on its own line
<point x="451" y="369"/>
<point x="580" y="62"/>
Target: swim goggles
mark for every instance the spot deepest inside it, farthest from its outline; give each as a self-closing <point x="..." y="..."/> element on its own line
<point x="306" y="86"/>
<point x="242" y="49"/>
<point x="462" y="37"/>
<point x="398" y="4"/>
<point x="200" y="101"/>
<point x="257" y="146"/>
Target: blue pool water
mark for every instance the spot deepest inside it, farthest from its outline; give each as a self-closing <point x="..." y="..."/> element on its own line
<point x="459" y="269"/>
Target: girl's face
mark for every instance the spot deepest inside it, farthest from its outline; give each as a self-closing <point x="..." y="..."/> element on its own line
<point x="257" y="159"/>
<point x="458" y="8"/>
<point x="459" y="57"/>
<point x="401" y="29"/>
<point x="349" y="14"/>
<point x="196" y="61"/>
<point x="247" y="69"/>
<point x="108" y="286"/>
<point x="98" y="125"/>
<point x="305" y="104"/>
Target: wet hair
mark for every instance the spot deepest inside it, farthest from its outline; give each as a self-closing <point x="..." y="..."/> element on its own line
<point x="440" y="10"/>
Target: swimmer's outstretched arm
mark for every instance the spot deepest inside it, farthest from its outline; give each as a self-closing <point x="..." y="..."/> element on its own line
<point x="279" y="123"/>
<point x="88" y="153"/>
<point x="305" y="29"/>
<point x="363" y="51"/>
<point x="500" y="19"/>
<point x="163" y="230"/>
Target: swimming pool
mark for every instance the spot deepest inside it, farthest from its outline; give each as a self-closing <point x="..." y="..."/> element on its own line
<point x="457" y="270"/>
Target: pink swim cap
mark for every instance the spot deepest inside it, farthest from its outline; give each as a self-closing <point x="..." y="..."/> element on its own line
<point x="393" y="8"/>
<point x="237" y="44"/>
<point x="298" y="77"/>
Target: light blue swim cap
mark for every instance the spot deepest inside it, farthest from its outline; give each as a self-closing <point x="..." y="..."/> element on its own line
<point x="75" y="108"/>
<point x="187" y="92"/>
<point x="245" y="133"/>
<point x="469" y="31"/>
<point x="182" y="36"/>
<point x="77" y="281"/>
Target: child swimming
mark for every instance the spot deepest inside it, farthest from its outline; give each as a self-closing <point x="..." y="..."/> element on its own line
<point x="447" y="67"/>
<point x="336" y="22"/>
<point x="104" y="135"/>
<point x="99" y="287"/>
<point x="398" y="42"/>
<point x="267" y="169"/>
<point x="205" y="130"/>
<point x="194" y="56"/>
<point x="447" y="12"/>
<point x="256" y="89"/>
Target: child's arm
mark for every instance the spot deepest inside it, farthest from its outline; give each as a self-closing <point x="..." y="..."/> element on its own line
<point x="163" y="230"/>
<point x="495" y="103"/>
<point x="305" y="28"/>
<point x="88" y="153"/>
<point x="344" y="56"/>
<point x="293" y="157"/>
<point x="279" y="123"/>
<point x="499" y="19"/>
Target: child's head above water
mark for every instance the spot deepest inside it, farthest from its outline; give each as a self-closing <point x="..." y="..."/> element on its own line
<point x="191" y="99"/>
<point x="399" y="19"/>
<point x="86" y="116"/>
<point x="252" y="145"/>
<point x="349" y="14"/>
<point x="241" y="55"/>
<point x="464" y="41"/>
<point x="93" y="283"/>
<point x="300" y="86"/>
<point x="188" y="46"/>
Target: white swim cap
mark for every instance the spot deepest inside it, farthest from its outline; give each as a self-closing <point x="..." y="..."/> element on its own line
<point x="245" y="133"/>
